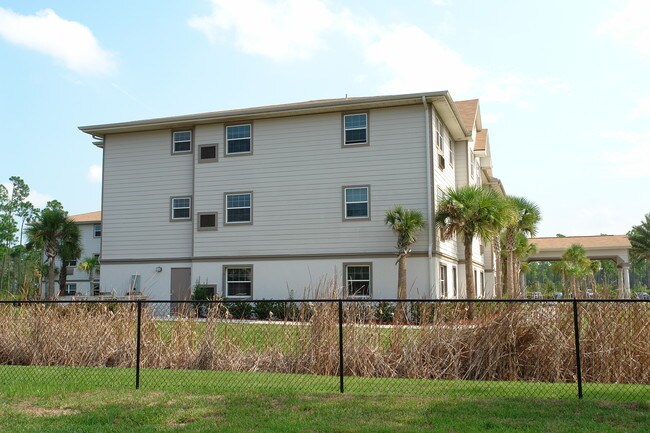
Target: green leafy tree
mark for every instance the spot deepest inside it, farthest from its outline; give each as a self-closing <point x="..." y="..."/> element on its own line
<point x="577" y="265"/>
<point x="50" y="233"/>
<point x="525" y="218"/>
<point x="90" y="265"/>
<point x="639" y="237"/>
<point x="406" y="223"/>
<point x="470" y="212"/>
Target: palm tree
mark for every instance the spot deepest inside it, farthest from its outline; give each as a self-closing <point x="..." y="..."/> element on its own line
<point x="469" y="212"/>
<point x="577" y="265"/>
<point x="50" y="232"/>
<point x="639" y="237"/>
<point x="523" y="249"/>
<point x="526" y="216"/>
<point x="406" y="223"/>
<point x="90" y="265"/>
<point x="69" y="249"/>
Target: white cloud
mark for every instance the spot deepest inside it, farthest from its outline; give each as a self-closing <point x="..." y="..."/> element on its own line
<point x="490" y="118"/>
<point x="414" y="61"/>
<point x="631" y="25"/>
<point x="70" y="42"/>
<point x="554" y="85"/>
<point x="288" y="29"/>
<point x="627" y="153"/>
<point x="641" y="109"/>
<point x="95" y="173"/>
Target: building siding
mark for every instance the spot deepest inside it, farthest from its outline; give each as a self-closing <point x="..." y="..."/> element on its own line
<point x="140" y="176"/>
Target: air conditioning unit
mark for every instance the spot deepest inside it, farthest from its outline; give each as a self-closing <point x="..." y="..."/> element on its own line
<point x="441" y="161"/>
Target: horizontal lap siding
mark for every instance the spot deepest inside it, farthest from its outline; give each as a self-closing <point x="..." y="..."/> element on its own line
<point x="296" y="173"/>
<point x="444" y="179"/>
<point x="140" y="176"/>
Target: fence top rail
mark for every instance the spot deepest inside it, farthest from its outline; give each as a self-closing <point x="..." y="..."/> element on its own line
<point x="324" y="301"/>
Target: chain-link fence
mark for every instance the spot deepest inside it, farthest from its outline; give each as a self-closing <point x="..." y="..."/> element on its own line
<point x="490" y="348"/>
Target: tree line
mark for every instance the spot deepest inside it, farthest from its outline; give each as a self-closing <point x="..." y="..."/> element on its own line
<point x="31" y="241"/>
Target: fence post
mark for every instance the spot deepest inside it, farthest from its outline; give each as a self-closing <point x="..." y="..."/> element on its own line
<point x="137" y="346"/>
<point x="341" y="366"/>
<point x="576" y="331"/>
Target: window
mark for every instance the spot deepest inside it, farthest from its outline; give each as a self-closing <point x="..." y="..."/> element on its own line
<point x="482" y="284"/>
<point x="454" y="281"/>
<point x="471" y="163"/>
<point x="238" y="281"/>
<point x="97" y="231"/>
<point x="182" y="141"/>
<point x="181" y="208"/>
<point x="443" y="281"/>
<point x="207" y="221"/>
<point x="96" y="289"/>
<point x="239" y="139"/>
<point x="439" y="134"/>
<point x="355" y="129"/>
<point x="451" y="153"/>
<point x="208" y="153"/>
<point x="478" y="173"/>
<point x="70" y="289"/>
<point x="70" y="266"/>
<point x="358" y="281"/>
<point x="356" y="202"/>
<point x="239" y="208"/>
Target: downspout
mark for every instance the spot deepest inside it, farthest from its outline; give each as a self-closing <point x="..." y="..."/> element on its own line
<point x="432" y="290"/>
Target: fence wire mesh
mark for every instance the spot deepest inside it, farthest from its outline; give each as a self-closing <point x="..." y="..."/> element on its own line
<point x="449" y="348"/>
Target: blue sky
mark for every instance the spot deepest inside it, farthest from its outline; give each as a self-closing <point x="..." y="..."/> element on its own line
<point x="564" y="86"/>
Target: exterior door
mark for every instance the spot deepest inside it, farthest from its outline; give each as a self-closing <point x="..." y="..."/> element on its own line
<point x="181" y="289"/>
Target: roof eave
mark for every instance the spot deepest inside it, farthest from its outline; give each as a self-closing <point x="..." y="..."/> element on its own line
<point x="272" y="111"/>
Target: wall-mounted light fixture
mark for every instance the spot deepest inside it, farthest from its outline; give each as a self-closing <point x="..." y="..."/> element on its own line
<point x="158" y="269"/>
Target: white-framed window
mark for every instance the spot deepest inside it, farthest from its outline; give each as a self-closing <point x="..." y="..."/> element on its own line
<point x="96" y="289"/>
<point x="239" y="208"/>
<point x="443" y="281"/>
<point x="181" y="208"/>
<point x="451" y="152"/>
<point x="355" y="129"/>
<point x="472" y="162"/>
<point x="356" y="202"/>
<point x="482" y="285"/>
<point x="238" y="281"/>
<point x="97" y="230"/>
<point x="70" y="263"/>
<point x="439" y="134"/>
<point x="182" y="141"/>
<point x="70" y="289"/>
<point x="454" y="282"/>
<point x="358" y="280"/>
<point x="239" y="139"/>
<point x="478" y="173"/>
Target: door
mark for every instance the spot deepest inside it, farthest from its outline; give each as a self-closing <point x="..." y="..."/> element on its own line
<point x="181" y="289"/>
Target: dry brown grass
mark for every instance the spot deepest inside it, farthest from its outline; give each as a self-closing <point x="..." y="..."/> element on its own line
<point x="524" y="342"/>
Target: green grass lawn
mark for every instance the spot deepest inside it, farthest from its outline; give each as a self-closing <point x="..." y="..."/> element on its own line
<point x="68" y="399"/>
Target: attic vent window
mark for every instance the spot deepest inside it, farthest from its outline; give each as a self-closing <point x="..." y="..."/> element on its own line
<point x="208" y="153"/>
<point x="207" y="221"/>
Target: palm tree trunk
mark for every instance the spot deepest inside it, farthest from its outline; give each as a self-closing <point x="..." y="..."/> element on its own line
<point x="498" y="282"/>
<point x="510" y="265"/>
<point x="517" y="279"/>
<point x="91" y="280"/>
<point x="63" y="278"/>
<point x="647" y="270"/>
<point x="49" y="288"/>
<point x="469" y="276"/>
<point x="400" y="310"/>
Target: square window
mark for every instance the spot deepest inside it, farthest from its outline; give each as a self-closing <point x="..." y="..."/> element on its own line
<point x="356" y="202"/>
<point x="239" y="207"/>
<point x="70" y="289"/>
<point x="97" y="231"/>
<point x="358" y="280"/>
<point x="182" y="141"/>
<point x="355" y="129"/>
<point x="239" y="139"/>
<point x="238" y="281"/>
<point x="208" y="153"/>
<point x="207" y="221"/>
<point x="181" y="208"/>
